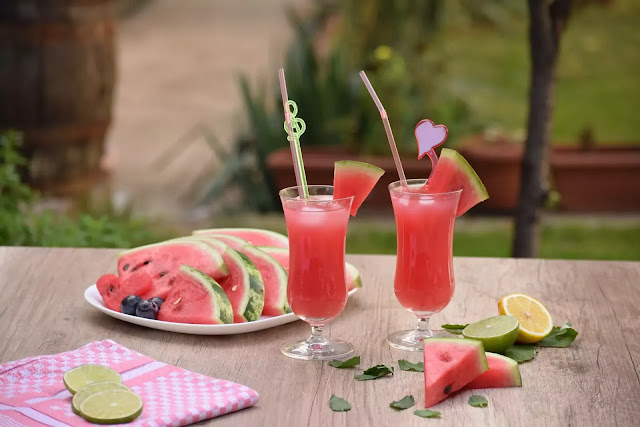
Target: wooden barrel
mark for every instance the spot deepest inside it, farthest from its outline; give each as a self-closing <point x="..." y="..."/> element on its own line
<point x="57" y="73"/>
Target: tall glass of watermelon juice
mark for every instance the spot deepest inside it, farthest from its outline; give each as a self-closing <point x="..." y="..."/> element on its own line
<point x="317" y="289"/>
<point x="424" y="268"/>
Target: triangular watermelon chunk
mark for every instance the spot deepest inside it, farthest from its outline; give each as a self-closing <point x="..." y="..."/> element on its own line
<point x="357" y="179"/>
<point x="449" y="365"/>
<point x="503" y="372"/>
<point x="453" y="172"/>
<point x="196" y="298"/>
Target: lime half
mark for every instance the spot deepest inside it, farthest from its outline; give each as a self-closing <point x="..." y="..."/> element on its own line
<point x="93" y="388"/>
<point x="111" y="407"/>
<point x="79" y="377"/>
<point x="496" y="333"/>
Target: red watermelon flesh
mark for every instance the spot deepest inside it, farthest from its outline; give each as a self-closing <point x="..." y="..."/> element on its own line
<point x="453" y="172"/>
<point x="274" y="278"/>
<point x="196" y="298"/>
<point x="114" y="289"/>
<point x="357" y="179"/>
<point x="163" y="260"/>
<point x="255" y="236"/>
<point x="503" y="372"/>
<point x="449" y="365"/>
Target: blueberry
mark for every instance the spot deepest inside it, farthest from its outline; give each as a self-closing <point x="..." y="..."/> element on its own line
<point x="157" y="300"/>
<point x="147" y="309"/>
<point x="129" y="304"/>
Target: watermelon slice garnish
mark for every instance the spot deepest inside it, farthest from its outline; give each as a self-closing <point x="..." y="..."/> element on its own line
<point x="255" y="236"/>
<point x="357" y="179"/>
<point x="196" y="298"/>
<point x="453" y="172"/>
<point x="449" y="365"/>
<point x="503" y="372"/>
<point x="162" y="262"/>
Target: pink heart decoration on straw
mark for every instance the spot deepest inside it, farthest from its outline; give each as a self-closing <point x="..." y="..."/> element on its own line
<point x="429" y="136"/>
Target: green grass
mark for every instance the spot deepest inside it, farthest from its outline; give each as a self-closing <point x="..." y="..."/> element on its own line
<point x="598" y="84"/>
<point x="562" y="238"/>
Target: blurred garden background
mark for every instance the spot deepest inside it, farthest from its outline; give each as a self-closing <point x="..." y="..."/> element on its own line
<point x="132" y="121"/>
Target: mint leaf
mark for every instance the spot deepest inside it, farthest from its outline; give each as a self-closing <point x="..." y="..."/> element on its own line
<point x="478" y="401"/>
<point x="404" y="403"/>
<point x="338" y="404"/>
<point x="375" y="372"/>
<point x="426" y="413"/>
<point x="454" y="329"/>
<point x="341" y="364"/>
<point x="405" y="365"/>
<point x="560" y="336"/>
<point x="520" y="353"/>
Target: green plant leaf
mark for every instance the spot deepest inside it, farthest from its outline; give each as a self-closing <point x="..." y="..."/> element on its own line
<point x="341" y="364"/>
<point x="338" y="404"/>
<point x="478" y="401"/>
<point x="426" y="413"/>
<point x="454" y="329"/>
<point x="405" y="365"/>
<point x="404" y="403"/>
<point x="560" y="336"/>
<point x="375" y="372"/>
<point x="521" y="353"/>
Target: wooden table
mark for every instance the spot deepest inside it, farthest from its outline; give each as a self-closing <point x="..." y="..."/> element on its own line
<point x="595" y="382"/>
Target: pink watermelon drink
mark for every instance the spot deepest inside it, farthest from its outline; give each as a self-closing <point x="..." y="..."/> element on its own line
<point x="424" y="269"/>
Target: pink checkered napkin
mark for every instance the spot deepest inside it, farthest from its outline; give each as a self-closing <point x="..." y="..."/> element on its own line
<point x="32" y="391"/>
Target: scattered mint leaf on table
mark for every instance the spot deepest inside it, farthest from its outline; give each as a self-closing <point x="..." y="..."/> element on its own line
<point x="454" y="329"/>
<point x="341" y="364"/>
<point x="375" y="372"/>
<point x="426" y="413"/>
<point x="478" y="401"/>
<point x="404" y="403"/>
<point x="405" y="365"/>
<point x="520" y="353"/>
<point x="338" y="404"/>
<point x="560" y="336"/>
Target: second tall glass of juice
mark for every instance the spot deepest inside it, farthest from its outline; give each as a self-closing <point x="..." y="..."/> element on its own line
<point x="424" y="268"/>
<point x="317" y="288"/>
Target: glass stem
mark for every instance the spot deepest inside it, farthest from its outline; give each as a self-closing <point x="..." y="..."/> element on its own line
<point x="423" y="326"/>
<point x="316" y="336"/>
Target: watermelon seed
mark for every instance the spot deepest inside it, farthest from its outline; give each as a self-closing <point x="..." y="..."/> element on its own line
<point x="164" y="273"/>
<point x="146" y="262"/>
<point x="177" y="301"/>
<point x="445" y="357"/>
<point x="126" y="267"/>
<point x="111" y="288"/>
<point x="447" y="389"/>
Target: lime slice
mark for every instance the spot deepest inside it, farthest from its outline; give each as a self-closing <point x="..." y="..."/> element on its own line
<point x="93" y="388"/>
<point x="79" y="377"/>
<point x="496" y="333"/>
<point x="111" y="407"/>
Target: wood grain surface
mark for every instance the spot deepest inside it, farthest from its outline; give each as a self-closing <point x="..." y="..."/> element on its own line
<point x="595" y="382"/>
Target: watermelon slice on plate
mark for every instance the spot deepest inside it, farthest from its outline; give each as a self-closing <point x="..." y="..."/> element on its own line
<point x="162" y="262"/>
<point x="449" y="365"/>
<point x="503" y="372"/>
<point x="274" y="278"/>
<point x="196" y="298"/>
<point x="357" y="179"/>
<point x="234" y="242"/>
<point x="354" y="280"/>
<point x="453" y="172"/>
<point x="255" y="236"/>
<point x="243" y="285"/>
<point x="113" y="289"/>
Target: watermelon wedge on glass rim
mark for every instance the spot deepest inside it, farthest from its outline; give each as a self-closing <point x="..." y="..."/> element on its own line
<point x="453" y="172"/>
<point x="357" y="179"/>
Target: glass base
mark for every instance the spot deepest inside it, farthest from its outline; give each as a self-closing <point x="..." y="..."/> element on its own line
<point x="411" y="340"/>
<point x="324" y="350"/>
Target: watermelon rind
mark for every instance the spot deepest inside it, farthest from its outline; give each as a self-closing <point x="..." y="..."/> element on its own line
<point x="219" y="299"/>
<point x="249" y="308"/>
<point x="274" y="238"/>
<point x="354" y="279"/>
<point x="472" y="177"/>
<point x="360" y="167"/>
<point x="280" y="305"/>
<point x="236" y="243"/>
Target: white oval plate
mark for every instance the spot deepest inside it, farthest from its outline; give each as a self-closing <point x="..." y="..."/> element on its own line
<point x="93" y="297"/>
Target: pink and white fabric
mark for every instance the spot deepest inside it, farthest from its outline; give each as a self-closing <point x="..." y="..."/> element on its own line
<point x="32" y="391"/>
